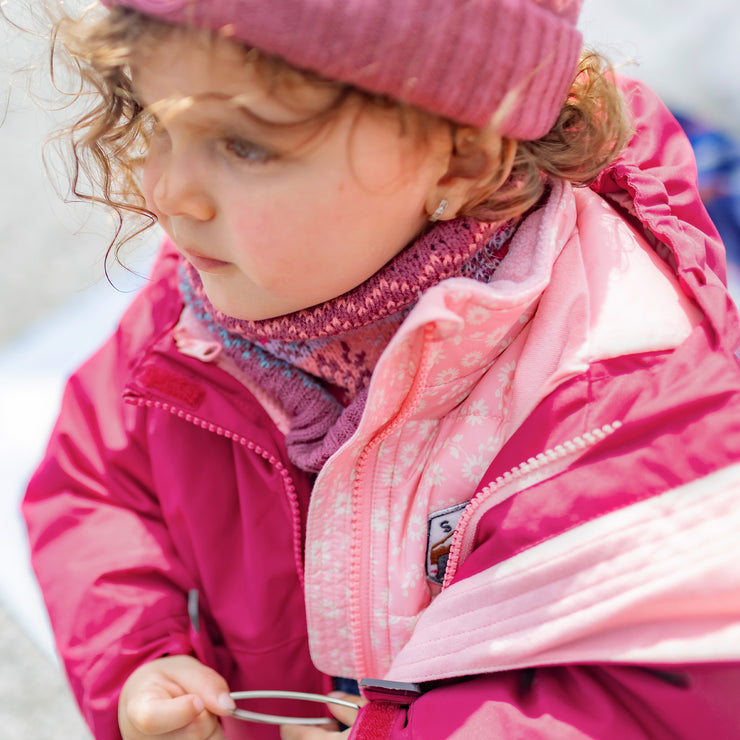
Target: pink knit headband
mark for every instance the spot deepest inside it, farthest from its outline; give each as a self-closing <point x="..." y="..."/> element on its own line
<point x="473" y="61"/>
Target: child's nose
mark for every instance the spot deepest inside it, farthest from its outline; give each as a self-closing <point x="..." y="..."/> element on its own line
<point x="182" y="191"/>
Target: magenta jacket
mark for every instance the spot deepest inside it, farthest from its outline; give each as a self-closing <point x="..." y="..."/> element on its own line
<point x="591" y="586"/>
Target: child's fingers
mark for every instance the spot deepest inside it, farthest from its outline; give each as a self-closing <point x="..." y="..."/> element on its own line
<point x="172" y="693"/>
<point x="157" y="715"/>
<point x="196" y="678"/>
<point x="345" y="715"/>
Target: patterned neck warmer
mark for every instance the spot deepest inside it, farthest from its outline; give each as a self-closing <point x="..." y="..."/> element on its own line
<point x="317" y="362"/>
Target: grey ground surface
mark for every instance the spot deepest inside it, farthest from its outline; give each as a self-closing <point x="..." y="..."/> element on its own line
<point x="42" y="265"/>
<point x="51" y="254"/>
<point x="35" y="703"/>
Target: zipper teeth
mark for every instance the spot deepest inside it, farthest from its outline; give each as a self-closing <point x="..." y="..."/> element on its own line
<point x="289" y="486"/>
<point x="549" y="456"/>
<point x="407" y="408"/>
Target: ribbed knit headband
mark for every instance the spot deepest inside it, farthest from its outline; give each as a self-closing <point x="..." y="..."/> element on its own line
<point x="473" y="61"/>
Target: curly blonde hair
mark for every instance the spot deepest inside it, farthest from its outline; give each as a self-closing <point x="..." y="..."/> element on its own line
<point x="108" y="141"/>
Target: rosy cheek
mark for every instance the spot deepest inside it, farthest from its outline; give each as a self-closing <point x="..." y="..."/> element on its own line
<point x="265" y="241"/>
<point x="253" y="221"/>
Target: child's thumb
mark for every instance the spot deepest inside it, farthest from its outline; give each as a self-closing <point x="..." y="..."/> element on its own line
<point x="210" y="686"/>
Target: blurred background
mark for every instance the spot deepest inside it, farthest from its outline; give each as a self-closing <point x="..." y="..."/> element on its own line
<point x="56" y="305"/>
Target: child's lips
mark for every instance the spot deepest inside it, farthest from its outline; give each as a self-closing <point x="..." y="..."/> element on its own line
<point x="202" y="263"/>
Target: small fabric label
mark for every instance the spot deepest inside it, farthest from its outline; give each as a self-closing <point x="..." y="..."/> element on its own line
<point x="440" y="530"/>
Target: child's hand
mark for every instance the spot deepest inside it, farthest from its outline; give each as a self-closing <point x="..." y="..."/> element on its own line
<point x="345" y="715"/>
<point x="176" y="696"/>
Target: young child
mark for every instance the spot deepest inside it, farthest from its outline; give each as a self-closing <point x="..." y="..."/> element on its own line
<point x="433" y="384"/>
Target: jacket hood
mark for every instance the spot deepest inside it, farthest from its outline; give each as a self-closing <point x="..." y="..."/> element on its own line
<point x="654" y="182"/>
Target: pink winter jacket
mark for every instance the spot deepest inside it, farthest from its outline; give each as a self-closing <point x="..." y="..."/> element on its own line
<point x="535" y="522"/>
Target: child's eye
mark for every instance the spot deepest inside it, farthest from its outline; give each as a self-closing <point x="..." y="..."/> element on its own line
<point x="248" y="151"/>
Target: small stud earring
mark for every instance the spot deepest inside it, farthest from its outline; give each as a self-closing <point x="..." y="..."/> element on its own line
<point x="440" y="210"/>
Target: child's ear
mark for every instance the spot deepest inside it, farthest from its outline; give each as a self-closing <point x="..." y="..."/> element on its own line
<point x="480" y="162"/>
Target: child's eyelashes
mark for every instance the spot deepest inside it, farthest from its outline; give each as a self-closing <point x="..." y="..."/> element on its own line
<point x="199" y="137"/>
<point x="247" y="150"/>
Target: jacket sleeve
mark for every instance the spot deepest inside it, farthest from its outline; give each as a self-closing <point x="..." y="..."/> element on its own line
<point x="112" y="581"/>
<point x="568" y="703"/>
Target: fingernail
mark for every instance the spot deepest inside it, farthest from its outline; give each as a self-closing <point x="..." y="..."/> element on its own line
<point x="199" y="704"/>
<point x="226" y="703"/>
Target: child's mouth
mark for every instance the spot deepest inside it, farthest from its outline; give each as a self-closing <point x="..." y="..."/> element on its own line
<point x="205" y="264"/>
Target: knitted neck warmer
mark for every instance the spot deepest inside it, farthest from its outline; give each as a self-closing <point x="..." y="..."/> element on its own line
<point x="317" y="362"/>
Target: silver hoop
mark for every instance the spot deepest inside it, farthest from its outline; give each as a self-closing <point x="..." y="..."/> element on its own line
<point x="276" y="719"/>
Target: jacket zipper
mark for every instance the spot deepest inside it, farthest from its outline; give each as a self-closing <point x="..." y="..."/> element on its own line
<point x="523" y="473"/>
<point x="288" y="484"/>
<point x="360" y="596"/>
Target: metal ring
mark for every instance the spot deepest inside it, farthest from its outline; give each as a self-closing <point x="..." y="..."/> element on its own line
<point x="276" y="719"/>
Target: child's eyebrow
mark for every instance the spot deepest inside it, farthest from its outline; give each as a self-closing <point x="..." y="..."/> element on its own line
<point x="237" y="116"/>
<point x="242" y="104"/>
<point x="237" y="105"/>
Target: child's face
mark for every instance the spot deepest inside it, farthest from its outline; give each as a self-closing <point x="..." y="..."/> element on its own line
<point x="274" y="224"/>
